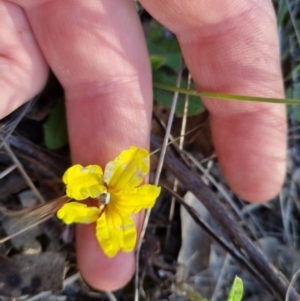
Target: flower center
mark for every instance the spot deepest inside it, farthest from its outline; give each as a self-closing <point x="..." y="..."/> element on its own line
<point x="103" y="199"/>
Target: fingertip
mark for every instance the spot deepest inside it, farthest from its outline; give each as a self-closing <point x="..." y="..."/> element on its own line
<point x="260" y="190"/>
<point x="252" y="152"/>
<point x="99" y="271"/>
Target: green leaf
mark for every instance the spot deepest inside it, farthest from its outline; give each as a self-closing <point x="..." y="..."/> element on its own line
<point x="162" y="46"/>
<point x="165" y="60"/>
<point x="157" y="61"/>
<point x="173" y="60"/>
<point x="296" y="112"/>
<point x="237" y="290"/>
<point x="55" y="127"/>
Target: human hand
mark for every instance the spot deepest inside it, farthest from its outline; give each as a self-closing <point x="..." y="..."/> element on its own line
<point x="97" y="51"/>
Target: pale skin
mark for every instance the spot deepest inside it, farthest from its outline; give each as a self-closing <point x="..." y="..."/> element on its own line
<point x="97" y="50"/>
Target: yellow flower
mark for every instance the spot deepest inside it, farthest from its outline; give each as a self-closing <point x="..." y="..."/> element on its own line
<point x="119" y="193"/>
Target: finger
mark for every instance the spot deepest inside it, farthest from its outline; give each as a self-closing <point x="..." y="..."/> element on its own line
<point x="97" y="51"/>
<point x="232" y="47"/>
<point x="23" y="71"/>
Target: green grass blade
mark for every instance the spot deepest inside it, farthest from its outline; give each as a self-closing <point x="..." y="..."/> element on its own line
<point x="227" y="96"/>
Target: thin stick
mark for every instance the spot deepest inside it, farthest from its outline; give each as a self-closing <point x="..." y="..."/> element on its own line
<point x="156" y="180"/>
<point x="8" y="170"/>
<point x="173" y="140"/>
<point x="6" y="132"/>
<point x="23" y="172"/>
<point x="181" y="141"/>
<point x="293" y="281"/>
<point x="220" y="187"/>
<point x="221" y="277"/>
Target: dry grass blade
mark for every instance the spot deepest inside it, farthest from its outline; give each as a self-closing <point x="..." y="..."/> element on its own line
<point x="7" y="128"/>
<point x="41" y="210"/>
<point x="34" y="215"/>
<point x="293" y="281"/>
<point x="23" y="172"/>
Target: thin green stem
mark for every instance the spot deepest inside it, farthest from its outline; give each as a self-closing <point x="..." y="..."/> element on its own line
<point x="227" y="96"/>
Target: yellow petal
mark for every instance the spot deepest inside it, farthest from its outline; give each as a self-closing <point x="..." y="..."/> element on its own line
<point x="127" y="170"/>
<point x="77" y="213"/>
<point x="84" y="182"/>
<point x="115" y="232"/>
<point x="133" y="201"/>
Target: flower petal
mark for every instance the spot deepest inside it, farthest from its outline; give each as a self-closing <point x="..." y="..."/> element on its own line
<point x="115" y="232"/>
<point x="78" y="213"/>
<point x="84" y="182"/>
<point x="127" y="170"/>
<point x="139" y="198"/>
